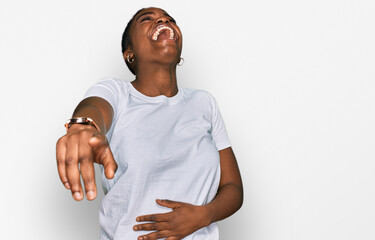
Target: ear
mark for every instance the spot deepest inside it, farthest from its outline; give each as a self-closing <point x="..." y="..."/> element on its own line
<point x="128" y="53"/>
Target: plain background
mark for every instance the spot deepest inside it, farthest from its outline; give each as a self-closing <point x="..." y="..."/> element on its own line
<point x="294" y="81"/>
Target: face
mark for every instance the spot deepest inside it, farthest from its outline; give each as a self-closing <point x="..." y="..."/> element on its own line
<point x="155" y="37"/>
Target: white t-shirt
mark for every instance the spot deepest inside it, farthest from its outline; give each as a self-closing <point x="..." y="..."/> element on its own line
<point x="165" y="148"/>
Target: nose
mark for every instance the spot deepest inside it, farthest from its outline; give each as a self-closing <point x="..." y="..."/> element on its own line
<point x="162" y="19"/>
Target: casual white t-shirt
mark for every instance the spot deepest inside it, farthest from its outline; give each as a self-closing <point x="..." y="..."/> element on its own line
<point x="165" y="148"/>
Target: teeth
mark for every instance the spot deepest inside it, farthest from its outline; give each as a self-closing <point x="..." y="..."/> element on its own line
<point x="159" y="30"/>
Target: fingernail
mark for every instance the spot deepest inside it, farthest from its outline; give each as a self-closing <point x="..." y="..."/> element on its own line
<point x="90" y="194"/>
<point x="77" y="195"/>
<point x="135" y="228"/>
<point x="67" y="185"/>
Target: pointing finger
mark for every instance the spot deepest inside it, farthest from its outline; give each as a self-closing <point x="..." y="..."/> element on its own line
<point x="109" y="163"/>
<point x="103" y="154"/>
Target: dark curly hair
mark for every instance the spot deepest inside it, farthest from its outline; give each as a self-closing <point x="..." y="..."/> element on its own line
<point x="126" y="41"/>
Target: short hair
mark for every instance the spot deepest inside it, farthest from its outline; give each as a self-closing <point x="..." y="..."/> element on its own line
<point x="126" y="40"/>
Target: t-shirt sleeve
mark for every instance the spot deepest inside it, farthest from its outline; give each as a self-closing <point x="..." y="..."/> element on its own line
<point x="218" y="132"/>
<point x="107" y="88"/>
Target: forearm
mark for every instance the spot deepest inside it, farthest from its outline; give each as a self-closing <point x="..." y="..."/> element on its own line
<point x="93" y="108"/>
<point x="228" y="200"/>
<point x="91" y="112"/>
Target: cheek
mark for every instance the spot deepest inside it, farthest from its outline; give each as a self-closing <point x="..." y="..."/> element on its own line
<point x="140" y="42"/>
<point x="180" y="34"/>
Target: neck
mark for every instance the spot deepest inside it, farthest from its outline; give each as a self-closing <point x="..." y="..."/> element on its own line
<point x="156" y="80"/>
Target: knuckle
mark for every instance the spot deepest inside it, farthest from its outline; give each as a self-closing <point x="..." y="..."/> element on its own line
<point x="169" y="225"/>
<point x="69" y="136"/>
<point x="172" y="225"/>
<point x="60" y="160"/>
<point x="85" y="134"/>
<point x="159" y="235"/>
<point x="152" y="217"/>
<point x="153" y="226"/>
<point x="63" y="179"/>
<point x="85" y="159"/>
<point x="75" y="187"/>
<point x="89" y="182"/>
<point x="71" y="161"/>
<point x="106" y="151"/>
<point x="60" y="141"/>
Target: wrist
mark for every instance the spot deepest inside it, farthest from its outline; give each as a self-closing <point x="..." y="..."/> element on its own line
<point x="81" y="121"/>
<point x="79" y="127"/>
<point x="207" y="215"/>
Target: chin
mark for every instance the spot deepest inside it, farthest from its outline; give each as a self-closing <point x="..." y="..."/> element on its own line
<point x="170" y="54"/>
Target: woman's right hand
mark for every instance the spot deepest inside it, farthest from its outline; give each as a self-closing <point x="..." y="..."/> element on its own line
<point x="76" y="153"/>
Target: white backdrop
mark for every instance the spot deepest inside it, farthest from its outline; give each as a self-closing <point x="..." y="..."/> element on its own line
<point x="294" y="80"/>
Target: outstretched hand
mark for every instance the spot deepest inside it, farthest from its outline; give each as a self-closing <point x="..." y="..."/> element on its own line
<point x="177" y="224"/>
<point x="76" y="153"/>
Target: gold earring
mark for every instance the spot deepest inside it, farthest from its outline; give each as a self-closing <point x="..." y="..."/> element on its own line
<point x="129" y="60"/>
<point x="181" y="62"/>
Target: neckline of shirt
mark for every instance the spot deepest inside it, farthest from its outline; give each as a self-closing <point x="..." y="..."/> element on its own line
<point x="161" y="98"/>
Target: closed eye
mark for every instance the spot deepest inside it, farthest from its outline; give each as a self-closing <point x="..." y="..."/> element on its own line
<point x="172" y="20"/>
<point x="146" y="19"/>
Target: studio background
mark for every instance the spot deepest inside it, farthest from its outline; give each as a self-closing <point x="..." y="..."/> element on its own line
<point x="294" y="81"/>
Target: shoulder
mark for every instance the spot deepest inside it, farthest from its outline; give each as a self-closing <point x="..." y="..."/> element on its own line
<point x="112" y="81"/>
<point x="201" y="100"/>
<point x="113" y="90"/>
<point x="116" y="84"/>
<point x="198" y="95"/>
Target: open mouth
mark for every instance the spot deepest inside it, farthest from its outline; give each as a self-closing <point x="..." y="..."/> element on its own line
<point x="162" y="32"/>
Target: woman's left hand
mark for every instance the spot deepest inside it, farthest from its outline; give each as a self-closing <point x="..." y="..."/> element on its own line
<point x="177" y="224"/>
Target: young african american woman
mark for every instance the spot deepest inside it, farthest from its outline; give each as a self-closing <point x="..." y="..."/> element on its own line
<point x="168" y="169"/>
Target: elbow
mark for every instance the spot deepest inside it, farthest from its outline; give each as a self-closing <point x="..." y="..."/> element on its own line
<point x="241" y="197"/>
<point x="237" y="194"/>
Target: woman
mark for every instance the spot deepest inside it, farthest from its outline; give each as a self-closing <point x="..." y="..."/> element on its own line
<point x="168" y="168"/>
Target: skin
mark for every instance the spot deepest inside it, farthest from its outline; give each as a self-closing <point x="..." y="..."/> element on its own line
<point x="84" y="145"/>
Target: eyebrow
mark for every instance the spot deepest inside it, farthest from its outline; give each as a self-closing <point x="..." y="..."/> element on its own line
<point x="146" y="13"/>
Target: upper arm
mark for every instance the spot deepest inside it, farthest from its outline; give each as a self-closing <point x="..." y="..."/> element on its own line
<point x="230" y="173"/>
<point x="218" y="132"/>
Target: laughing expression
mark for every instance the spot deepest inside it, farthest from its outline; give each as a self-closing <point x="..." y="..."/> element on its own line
<point x="167" y="33"/>
<point x="156" y="36"/>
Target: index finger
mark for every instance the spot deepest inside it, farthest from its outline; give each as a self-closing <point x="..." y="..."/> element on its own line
<point x="109" y="163"/>
<point x="103" y="154"/>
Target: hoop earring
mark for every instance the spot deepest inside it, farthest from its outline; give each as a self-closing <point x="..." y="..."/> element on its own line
<point x="129" y="60"/>
<point x="181" y="62"/>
